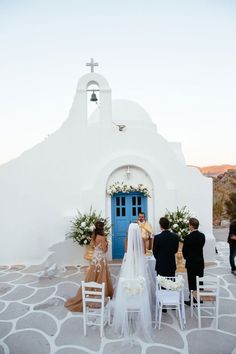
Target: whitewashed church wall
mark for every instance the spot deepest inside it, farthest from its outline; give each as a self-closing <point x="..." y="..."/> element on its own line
<point x="42" y="189"/>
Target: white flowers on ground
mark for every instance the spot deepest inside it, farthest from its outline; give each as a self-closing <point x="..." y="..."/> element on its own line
<point x="169" y="284"/>
<point x="125" y="188"/>
<point x="133" y="286"/>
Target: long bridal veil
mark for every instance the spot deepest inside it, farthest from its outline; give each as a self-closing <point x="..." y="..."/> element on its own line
<point x="132" y="299"/>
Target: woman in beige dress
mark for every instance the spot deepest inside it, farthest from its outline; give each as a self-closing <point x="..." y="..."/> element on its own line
<point x="98" y="270"/>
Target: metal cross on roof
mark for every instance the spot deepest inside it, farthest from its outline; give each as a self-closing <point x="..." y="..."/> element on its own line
<point x="92" y="65"/>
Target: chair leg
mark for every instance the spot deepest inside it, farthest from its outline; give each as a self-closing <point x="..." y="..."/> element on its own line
<point x="102" y="322"/>
<point x="191" y="303"/>
<point x="156" y="311"/>
<point x="109" y="316"/>
<point x="217" y="312"/>
<point x="160" y="314"/>
<point x="180" y="318"/>
<point x="199" y="314"/>
<point x="101" y="330"/>
<point x="85" y="324"/>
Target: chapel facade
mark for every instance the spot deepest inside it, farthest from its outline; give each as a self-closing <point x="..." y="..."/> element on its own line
<point x="74" y="169"/>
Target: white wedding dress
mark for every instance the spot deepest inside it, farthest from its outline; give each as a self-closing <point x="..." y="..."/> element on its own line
<point x="132" y="298"/>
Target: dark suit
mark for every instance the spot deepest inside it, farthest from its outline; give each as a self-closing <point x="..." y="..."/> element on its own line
<point x="164" y="248"/>
<point x="193" y="254"/>
<point x="232" y="245"/>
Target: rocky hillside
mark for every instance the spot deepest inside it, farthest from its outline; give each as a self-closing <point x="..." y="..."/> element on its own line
<point x="223" y="185"/>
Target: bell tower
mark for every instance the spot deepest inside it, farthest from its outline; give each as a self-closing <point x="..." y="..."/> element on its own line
<point x="79" y="107"/>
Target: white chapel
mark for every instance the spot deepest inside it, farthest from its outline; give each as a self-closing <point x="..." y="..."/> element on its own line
<point x="42" y="189"/>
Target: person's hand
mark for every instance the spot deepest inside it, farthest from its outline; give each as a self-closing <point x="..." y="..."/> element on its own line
<point x="233" y="237"/>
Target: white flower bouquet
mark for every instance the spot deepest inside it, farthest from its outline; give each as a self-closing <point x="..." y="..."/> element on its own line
<point x="83" y="226"/>
<point x="179" y="221"/>
<point x="125" y="188"/>
<point x="169" y="284"/>
<point x="133" y="286"/>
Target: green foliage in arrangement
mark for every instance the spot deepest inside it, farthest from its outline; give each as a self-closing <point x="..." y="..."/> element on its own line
<point x="83" y="225"/>
<point x="179" y="221"/>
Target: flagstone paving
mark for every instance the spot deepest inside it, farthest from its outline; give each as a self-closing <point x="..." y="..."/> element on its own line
<point x="33" y="318"/>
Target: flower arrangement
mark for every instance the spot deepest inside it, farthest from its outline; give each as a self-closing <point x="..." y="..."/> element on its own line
<point x="133" y="286"/>
<point x="179" y="221"/>
<point x="125" y="188"/>
<point x="169" y="284"/>
<point x="83" y="226"/>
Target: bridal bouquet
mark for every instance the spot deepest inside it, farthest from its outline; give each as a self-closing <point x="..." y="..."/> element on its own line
<point x="83" y="226"/>
<point x="133" y="286"/>
<point x="169" y="284"/>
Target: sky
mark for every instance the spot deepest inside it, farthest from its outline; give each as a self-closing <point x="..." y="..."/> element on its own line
<point x="176" y="58"/>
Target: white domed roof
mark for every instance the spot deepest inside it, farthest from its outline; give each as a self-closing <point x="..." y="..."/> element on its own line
<point x="126" y="112"/>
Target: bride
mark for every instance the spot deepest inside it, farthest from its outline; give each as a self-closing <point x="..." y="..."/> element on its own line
<point x="132" y="298"/>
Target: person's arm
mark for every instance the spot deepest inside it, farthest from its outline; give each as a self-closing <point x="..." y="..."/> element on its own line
<point x="204" y="239"/>
<point x="232" y="232"/>
<point x="92" y="242"/>
<point x="144" y="246"/>
<point x="151" y="242"/>
<point x="177" y="244"/>
<point x="155" y="246"/>
<point x="126" y="242"/>
<point x="185" y="248"/>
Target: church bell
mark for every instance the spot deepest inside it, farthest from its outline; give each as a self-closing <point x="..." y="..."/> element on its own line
<point x="93" y="97"/>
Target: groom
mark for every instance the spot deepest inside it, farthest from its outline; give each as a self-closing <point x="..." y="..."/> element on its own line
<point x="164" y="249"/>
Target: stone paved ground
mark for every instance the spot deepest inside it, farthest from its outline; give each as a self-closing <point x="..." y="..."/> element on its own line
<point x="33" y="319"/>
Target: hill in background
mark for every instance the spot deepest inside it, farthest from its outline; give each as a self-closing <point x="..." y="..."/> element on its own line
<point x="214" y="171"/>
<point x="224" y="183"/>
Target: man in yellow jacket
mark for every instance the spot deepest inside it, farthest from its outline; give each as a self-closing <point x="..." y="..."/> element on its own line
<point x="146" y="231"/>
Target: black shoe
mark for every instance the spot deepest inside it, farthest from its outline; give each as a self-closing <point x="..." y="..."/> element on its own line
<point x="188" y="303"/>
<point x="164" y="310"/>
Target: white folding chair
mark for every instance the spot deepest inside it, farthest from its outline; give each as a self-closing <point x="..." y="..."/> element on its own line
<point x="134" y="306"/>
<point x="169" y="299"/>
<point x="95" y="305"/>
<point x="207" y="296"/>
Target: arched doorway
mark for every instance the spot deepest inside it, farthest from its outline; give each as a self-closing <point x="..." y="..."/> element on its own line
<point x="125" y="209"/>
<point x="126" y="198"/>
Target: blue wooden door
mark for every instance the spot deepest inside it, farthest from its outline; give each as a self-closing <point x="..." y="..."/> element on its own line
<point x="125" y="209"/>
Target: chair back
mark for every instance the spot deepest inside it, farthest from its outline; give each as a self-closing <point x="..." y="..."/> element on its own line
<point x="207" y="296"/>
<point x="208" y="287"/>
<point x="173" y="284"/>
<point x="169" y="293"/>
<point x="93" y="296"/>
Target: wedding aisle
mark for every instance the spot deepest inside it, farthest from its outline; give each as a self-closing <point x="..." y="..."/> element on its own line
<point x="32" y="315"/>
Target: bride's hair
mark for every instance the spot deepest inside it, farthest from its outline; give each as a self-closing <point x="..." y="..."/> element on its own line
<point x="99" y="228"/>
